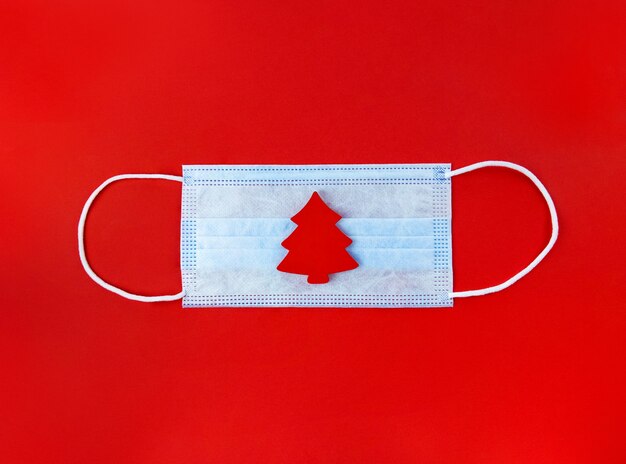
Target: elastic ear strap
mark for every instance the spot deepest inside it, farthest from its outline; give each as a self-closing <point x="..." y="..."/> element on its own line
<point x="81" y="242"/>
<point x="553" y="217"/>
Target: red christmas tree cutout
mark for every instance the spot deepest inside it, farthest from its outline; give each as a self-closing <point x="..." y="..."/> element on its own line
<point x="317" y="247"/>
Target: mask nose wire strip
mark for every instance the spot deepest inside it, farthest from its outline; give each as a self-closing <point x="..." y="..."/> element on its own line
<point x="553" y="218"/>
<point x="81" y="242"/>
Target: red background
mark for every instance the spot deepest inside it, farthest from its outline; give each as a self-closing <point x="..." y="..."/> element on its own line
<point x="92" y="89"/>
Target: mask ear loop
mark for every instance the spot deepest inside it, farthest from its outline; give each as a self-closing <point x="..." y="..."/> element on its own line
<point x="553" y="218"/>
<point x="81" y="242"/>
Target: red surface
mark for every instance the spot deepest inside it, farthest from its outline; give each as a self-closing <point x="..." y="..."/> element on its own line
<point x="91" y="89"/>
<point x="317" y="247"/>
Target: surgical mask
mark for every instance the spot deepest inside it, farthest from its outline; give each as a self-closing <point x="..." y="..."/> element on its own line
<point x="372" y="235"/>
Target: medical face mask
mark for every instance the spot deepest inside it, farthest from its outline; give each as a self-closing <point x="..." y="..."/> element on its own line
<point x="371" y="235"/>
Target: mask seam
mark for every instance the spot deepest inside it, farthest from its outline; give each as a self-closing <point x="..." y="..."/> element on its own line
<point x="441" y="226"/>
<point x="338" y="168"/>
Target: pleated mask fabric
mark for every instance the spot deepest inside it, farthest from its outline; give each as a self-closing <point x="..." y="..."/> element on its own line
<point x="234" y="219"/>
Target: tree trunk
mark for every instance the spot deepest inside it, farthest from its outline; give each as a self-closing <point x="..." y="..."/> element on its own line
<point x="317" y="279"/>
